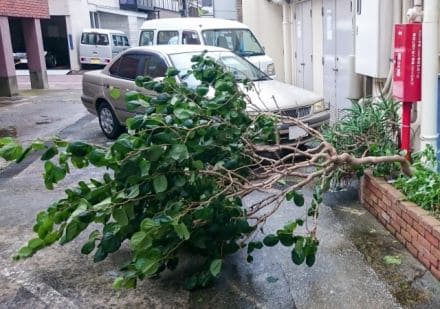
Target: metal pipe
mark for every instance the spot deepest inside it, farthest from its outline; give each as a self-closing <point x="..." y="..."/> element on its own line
<point x="428" y="128"/>
<point x="286" y="43"/>
<point x="406" y="128"/>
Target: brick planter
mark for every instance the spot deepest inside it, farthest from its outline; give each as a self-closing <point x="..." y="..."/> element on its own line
<point x="413" y="226"/>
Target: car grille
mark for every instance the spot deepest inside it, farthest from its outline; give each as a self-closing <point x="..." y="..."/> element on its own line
<point x="299" y="112"/>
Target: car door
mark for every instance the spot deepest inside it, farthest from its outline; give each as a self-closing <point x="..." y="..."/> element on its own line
<point x="122" y="75"/>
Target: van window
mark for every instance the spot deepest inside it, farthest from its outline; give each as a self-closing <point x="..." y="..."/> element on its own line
<point x="241" y="41"/>
<point x="125" y="41"/>
<point x="147" y="38"/>
<point x="92" y="38"/>
<point x="126" y="67"/>
<point x="154" y="66"/>
<point x="117" y="40"/>
<point x="168" y="38"/>
<point x="190" y="38"/>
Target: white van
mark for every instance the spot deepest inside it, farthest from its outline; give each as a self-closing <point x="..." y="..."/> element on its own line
<point x="99" y="46"/>
<point x="207" y="31"/>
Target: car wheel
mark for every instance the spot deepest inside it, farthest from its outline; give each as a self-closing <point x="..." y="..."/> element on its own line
<point x="108" y="122"/>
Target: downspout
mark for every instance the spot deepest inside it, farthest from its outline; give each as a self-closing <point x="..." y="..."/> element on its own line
<point x="428" y="127"/>
<point x="286" y="43"/>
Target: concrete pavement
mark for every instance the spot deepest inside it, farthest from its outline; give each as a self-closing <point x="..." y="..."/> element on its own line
<point x="349" y="272"/>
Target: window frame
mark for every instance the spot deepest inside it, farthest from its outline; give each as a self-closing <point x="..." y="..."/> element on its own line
<point x="158" y="34"/>
<point x="118" y="62"/>
<point x="147" y="55"/>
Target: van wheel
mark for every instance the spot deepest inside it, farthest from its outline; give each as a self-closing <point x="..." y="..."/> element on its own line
<point x="108" y="122"/>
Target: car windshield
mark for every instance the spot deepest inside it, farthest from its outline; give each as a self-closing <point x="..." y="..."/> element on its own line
<point x="240" y="41"/>
<point x="239" y="67"/>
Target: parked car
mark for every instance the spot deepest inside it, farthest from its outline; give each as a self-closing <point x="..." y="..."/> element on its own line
<point x="153" y="61"/>
<point x="228" y="34"/>
<point x="21" y="61"/>
<point x="99" y="46"/>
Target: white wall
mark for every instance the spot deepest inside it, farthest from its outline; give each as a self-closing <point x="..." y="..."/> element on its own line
<point x="226" y="9"/>
<point x="318" y="70"/>
<point x="78" y="20"/>
<point x="105" y="3"/>
<point x="265" y="21"/>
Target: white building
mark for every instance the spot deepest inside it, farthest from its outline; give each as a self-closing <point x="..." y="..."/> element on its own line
<point x="337" y="48"/>
<point x="226" y="9"/>
<point x="70" y="17"/>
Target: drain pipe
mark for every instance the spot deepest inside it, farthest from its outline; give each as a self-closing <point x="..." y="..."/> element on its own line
<point x="287" y="43"/>
<point x="428" y="127"/>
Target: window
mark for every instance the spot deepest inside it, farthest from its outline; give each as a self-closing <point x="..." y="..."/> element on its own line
<point x="115" y="41"/>
<point x="147" y="38"/>
<point x="92" y="38"/>
<point x="190" y="38"/>
<point x="168" y="38"/>
<point x="154" y="66"/>
<point x="125" y="41"/>
<point x="126" y="67"/>
<point x="241" y="41"/>
<point x="114" y="69"/>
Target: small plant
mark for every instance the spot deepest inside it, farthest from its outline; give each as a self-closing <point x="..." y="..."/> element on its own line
<point x="369" y="128"/>
<point x="423" y="187"/>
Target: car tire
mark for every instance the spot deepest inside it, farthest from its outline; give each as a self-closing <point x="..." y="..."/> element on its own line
<point x="110" y="125"/>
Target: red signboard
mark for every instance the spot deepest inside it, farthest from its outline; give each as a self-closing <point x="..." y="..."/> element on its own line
<point x="408" y="62"/>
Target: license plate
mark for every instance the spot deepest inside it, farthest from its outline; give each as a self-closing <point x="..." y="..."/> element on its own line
<point x="95" y="61"/>
<point x="296" y="132"/>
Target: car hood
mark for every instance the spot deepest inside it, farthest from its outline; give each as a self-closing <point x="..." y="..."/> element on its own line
<point x="272" y="95"/>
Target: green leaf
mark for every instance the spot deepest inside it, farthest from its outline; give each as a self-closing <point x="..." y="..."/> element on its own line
<point x="110" y="243"/>
<point x="147" y="224"/>
<point x="160" y="184"/>
<point x="392" y="260"/>
<point x="23" y="253"/>
<point x="36" y="244"/>
<point x="179" y="152"/>
<point x="310" y="260"/>
<point x="145" y="166"/>
<point x="298" y="198"/>
<point x="182" y="231"/>
<point x="79" y="149"/>
<point x="202" y="90"/>
<point x="183" y="114"/>
<point x="298" y="259"/>
<point x="88" y="247"/>
<point x="120" y="216"/>
<point x="215" y="267"/>
<point x="270" y="240"/>
<point x="115" y="93"/>
<point x="49" y="154"/>
<point x="11" y="151"/>
<point x="73" y="229"/>
<point x="138" y="238"/>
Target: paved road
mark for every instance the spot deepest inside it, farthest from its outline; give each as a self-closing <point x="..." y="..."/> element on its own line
<point x="349" y="271"/>
<point x="55" y="82"/>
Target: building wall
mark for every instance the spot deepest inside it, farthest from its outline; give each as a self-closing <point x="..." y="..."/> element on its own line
<point x="226" y="9"/>
<point x="265" y="21"/>
<point x="29" y="8"/>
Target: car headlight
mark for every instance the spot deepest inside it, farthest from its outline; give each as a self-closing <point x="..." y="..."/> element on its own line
<point x="270" y="70"/>
<point x="319" y="107"/>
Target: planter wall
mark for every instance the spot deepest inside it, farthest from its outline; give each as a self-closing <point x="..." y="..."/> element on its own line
<point x="413" y="226"/>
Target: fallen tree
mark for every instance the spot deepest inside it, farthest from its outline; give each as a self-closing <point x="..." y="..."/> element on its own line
<point x="176" y="181"/>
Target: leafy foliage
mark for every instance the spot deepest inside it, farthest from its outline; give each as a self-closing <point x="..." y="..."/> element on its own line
<point x="369" y="128"/>
<point x="423" y="187"/>
<point x="166" y="188"/>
